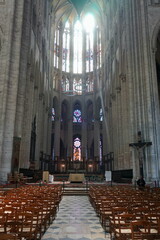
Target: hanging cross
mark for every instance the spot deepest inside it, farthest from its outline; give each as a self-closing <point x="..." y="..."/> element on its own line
<point x="139" y="146"/>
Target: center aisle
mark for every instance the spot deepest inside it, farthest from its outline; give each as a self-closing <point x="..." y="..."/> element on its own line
<point x="76" y="220"/>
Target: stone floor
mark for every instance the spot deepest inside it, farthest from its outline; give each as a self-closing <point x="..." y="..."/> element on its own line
<point x="76" y="220"/>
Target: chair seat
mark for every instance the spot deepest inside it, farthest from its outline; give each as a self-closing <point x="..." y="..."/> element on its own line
<point x="123" y="230"/>
<point x="152" y="230"/>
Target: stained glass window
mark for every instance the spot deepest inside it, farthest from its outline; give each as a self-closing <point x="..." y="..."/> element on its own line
<point x="65" y="84"/>
<point x="100" y="150"/>
<point x="66" y="48"/>
<point x="77" y="86"/>
<point x="89" y="25"/>
<point x="77" y="118"/>
<point x="56" y="48"/>
<point x="53" y="114"/>
<point x="98" y="50"/>
<point x="77" y="149"/>
<point x="77" y="53"/>
<point x="100" y="115"/>
<point x="89" y="52"/>
<point x="89" y="83"/>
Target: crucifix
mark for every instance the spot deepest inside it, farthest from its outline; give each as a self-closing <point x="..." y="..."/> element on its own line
<point x="139" y="146"/>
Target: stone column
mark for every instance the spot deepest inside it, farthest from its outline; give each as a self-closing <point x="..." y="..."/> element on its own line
<point x="27" y="119"/>
<point x="70" y="133"/>
<point x="58" y="107"/>
<point x="70" y="112"/>
<point x="57" y="133"/>
<point x="15" y="19"/>
<point x="84" y="134"/>
<point x="133" y="75"/>
<point x="22" y="82"/>
<point x="40" y="126"/>
<point x="84" y="110"/>
<point x="144" y="112"/>
<point x="96" y="137"/>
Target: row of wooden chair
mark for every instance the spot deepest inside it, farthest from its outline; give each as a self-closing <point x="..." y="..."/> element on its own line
<point x="26" y="212"/>
<point x="122" y="209"/>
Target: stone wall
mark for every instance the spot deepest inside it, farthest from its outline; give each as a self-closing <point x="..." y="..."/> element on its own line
<point x="131" y="88"/>
<point x="25" y="78"/>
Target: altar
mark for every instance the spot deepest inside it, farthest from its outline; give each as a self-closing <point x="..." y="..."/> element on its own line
<point x="76" y="177"/>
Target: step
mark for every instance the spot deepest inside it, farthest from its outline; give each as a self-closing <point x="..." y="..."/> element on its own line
<point x="75" y="191"/>
<point x="81" y="193"/>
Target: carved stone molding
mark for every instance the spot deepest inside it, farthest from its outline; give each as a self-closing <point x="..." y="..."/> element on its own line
<point x="113" y="96"/>
<point x="2" y="2"/>
<point x="118" y="89"/>
<point x="47" y="109"/>
<point x="122" y="77"/>
<point x="41" y="96"/>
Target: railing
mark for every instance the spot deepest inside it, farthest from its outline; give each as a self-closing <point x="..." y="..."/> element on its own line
<point x="87" y="187"/>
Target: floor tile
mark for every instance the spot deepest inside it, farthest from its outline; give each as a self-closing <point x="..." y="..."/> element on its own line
<point x="76" y="220"/>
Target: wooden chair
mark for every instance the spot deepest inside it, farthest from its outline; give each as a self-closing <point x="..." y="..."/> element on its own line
<point x="37" y="218"/>
<point x="141" y="230"/>
<point x="27" y="228"/>
<point x="113" y="221"/>
<point x="8" y="236"/>
<point x="3" y="220"/>
<point x="140" y="212"/>
<point x="122" y="226"/>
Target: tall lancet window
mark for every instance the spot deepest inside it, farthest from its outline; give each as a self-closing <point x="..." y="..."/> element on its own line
<point x="65" y="84"/>
<point x="89" y="83"/>
<point x="89" y="26"/>
<point x="98" y="47"/>
<point x="66" y="48"/>
<point x="53" y="114"/>
<point x="77" y="149"/>
<point x="101" y="115"/>
<point x="56" y="48"/>
<point x="77" y="54"/>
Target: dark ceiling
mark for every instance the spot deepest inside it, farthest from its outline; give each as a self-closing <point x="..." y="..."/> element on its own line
<point x="79" y="5"/>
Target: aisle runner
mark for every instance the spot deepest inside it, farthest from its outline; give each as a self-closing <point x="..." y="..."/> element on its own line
<point x="76" y="220"/>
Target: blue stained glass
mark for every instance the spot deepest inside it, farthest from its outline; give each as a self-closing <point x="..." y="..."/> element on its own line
<point x="77" y="116"/>
<point x="77" y="113"/>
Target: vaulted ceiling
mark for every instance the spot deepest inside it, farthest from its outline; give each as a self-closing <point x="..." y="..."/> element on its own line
<point x="64" y="10"/>
<point x="79" y="5"/>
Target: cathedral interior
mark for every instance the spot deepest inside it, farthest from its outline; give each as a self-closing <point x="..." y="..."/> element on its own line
<point x="80" y="87"/>
<point x="79" y="119"/>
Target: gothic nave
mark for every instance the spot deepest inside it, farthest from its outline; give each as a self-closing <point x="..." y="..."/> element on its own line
<point x="80" y="87"/>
